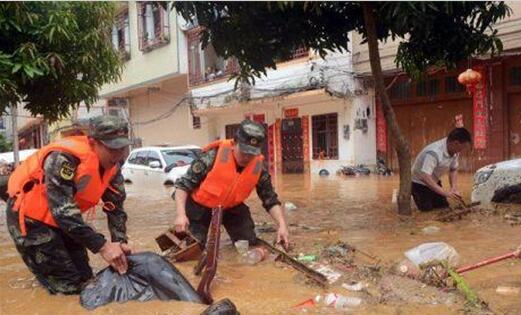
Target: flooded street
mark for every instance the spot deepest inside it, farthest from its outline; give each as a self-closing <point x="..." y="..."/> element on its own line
<point x="355" y="210"/>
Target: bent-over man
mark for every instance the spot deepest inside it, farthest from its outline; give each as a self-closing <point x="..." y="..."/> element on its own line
<point x="225" y="175"/>
<point x="51" y="189"/>
<point x="434" y="161"/>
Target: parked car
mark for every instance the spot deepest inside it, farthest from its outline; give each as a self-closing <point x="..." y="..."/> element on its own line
<point x="8" y="157"/>
<point x="154" y="166"/>
<point x="499" y="182"/>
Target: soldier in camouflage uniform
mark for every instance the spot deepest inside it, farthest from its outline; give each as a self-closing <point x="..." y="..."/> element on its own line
<point x="237" y="220"/>
<point x="57" y="256"/>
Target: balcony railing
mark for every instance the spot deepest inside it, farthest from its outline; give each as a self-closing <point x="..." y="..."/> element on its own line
<point x="198" y="77"/>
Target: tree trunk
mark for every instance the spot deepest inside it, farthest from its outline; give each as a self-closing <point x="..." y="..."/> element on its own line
<point x="401" y="144"/>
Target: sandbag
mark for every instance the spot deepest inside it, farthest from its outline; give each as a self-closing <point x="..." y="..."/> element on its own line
<point x="149" y="277"/>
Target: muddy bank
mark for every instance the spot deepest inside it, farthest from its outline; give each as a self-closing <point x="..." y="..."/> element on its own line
<point x="329" y="209"/>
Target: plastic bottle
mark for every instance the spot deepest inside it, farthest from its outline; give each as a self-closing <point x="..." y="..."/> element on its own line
<point x="339" y="301"/>
<point x="255" y="255"/>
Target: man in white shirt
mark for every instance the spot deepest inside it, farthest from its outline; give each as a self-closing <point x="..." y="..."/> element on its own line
<point x="435" y="160"/>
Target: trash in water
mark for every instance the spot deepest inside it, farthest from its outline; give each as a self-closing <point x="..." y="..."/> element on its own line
<point x="255" y="255"/>
<point x="354" y="170"/>
<point x="306" y="258"/>
<point x="340" y="252"/>
<point x="24" y="283"/>
<point x="307" y="303"/>
<point x="354" y="286"/>
<point x="407" y="268"/>
<point x="339" y="301"/>
<point x="289" y="206"/>
<point x="331" y="275"/>
<point x="394" y="198"/>
<point x="221" y="307"/>
<point x="431" y="229"/>
<point x="508" y="290"/>
<point x="242" y="246"/>
<point x="149" y="277"/>
<point x="323" y="172"/>
<point x="430" y="252"/>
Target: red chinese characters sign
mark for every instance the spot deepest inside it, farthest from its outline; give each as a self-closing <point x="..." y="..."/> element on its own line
<point x="480" y="111"/>
<point x="381" y="128"/>
<point x="291" y="113"/>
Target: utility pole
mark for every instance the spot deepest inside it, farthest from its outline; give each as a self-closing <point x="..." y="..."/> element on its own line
<point x="14" y="124"/>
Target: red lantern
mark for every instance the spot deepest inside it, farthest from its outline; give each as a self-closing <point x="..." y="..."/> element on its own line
<point x="470" y="78"/>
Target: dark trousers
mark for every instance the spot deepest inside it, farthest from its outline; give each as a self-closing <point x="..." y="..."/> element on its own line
<point x="59" y="263"/>
<point x="427" y="199"/>
<point x="237" y="221"/>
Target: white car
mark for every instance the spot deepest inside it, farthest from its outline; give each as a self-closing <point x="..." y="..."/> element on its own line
<point x="494" y="181"/>
<point x="8" y="157"/>
<point x="155" y="166"/>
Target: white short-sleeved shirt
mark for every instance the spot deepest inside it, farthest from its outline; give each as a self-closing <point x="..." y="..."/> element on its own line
<point x="434" y="160"/>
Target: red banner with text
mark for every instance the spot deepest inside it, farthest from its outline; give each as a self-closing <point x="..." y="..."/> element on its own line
<point x="480" y="111"/>
<point x="381" y="128"/>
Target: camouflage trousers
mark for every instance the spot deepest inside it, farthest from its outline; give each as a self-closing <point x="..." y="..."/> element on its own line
<point x="59" y="263"/>
<point x="237" y="221"/>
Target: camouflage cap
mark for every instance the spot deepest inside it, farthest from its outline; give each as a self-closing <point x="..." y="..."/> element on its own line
<point x="112" y="131"/>
<point x="250" y="137"/>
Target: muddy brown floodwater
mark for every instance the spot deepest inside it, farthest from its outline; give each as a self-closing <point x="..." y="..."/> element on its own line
<point x="356" y="210"/>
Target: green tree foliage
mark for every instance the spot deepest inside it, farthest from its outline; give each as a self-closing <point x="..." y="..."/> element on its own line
<point x="430" y="34"/>
<point x="5" y="146"/>
<point x="54" y="55"/>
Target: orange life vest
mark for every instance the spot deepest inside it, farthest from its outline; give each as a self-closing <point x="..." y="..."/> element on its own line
<point x="223" y="185"/>
<point x="26" y="184"/>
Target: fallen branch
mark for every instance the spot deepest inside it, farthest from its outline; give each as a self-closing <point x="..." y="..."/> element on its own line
<point x="458" y="213"/>
<point x="317" y="277"/>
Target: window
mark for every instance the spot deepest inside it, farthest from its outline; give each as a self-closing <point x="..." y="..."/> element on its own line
<point x="132" y="158"/>
<point x="400" y="90"/>
<point x="453" y="86"/>
<point x="196" y="122"/>
<point x="153" y="157"/>
<point x="428" y="88"/>
<point x="325" y="136"/>
<point x="121" y="35"/>
<point x="153" y="26"/>
<point x="180" y="157"/>
<point x="515" y="76"/>
<point x="141" y="158"/>
<point x="230" y="130"/>
<point x="204" y="65"/>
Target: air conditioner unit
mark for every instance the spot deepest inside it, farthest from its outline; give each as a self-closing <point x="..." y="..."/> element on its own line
<point x="115" y="112"/>
<point x="120" y="112"/>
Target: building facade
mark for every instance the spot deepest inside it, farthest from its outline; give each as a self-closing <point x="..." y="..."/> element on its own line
<point x="428" y="109"/>
<point x="152" y="91"/>
<point x="318" y="114"/>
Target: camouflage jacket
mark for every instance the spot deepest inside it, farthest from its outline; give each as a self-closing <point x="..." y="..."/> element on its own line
<point x="201" y="167"/>
<point x="60" y="196"/>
